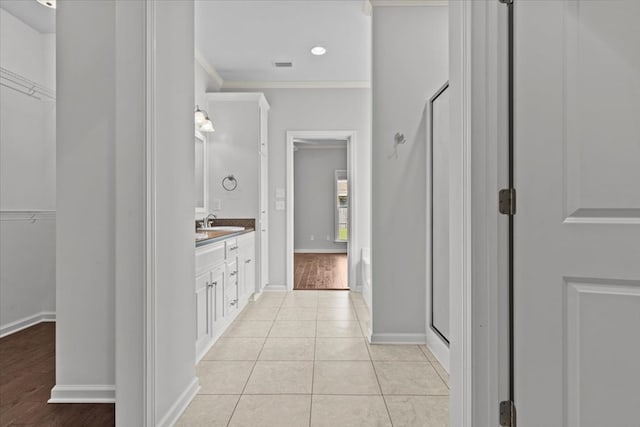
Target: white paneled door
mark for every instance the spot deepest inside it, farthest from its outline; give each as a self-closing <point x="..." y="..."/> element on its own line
<point x="577" y="226"/>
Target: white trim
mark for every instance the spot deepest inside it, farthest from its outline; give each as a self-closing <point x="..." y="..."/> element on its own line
<point x="32" y="215"/>
<point x="460" y="30"/>
<point x="398" y="339"/>
<point x="180" y="405"/>
<point x="98" y="393"/>
<point x="203" y="211"/>
<point x="149" y="309"/>
<point x="409" y="3"/>
<point x="320" y="251"/>
<point x="438" y="348"/>
<point x="350" y="136"/>
<point x="200" y="59"/>
<point x="356" y="84"/>
<point x="27" y="322"/>
<point x="257" y="97"/>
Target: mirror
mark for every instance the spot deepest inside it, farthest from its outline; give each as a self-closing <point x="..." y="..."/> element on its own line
<point x="341" y="186"/>
<point x="200" y="175"/>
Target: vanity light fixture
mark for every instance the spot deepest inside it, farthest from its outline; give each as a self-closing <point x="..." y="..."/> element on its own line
<point x="48" y="3"/>
<point x="202" y="120"/>
<point x="318" y="50"/>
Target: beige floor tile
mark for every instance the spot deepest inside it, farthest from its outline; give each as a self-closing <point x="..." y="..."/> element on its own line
<point x="280" y="378"/>
<point x="362" y="313"/>
<point x="235" y="349"/>
<point x="336" y="314"/>
<point x="272" y="411"/>
<point x="409" y="378"/>
<point x="397" y="352"/>
<point x="293" y="329"/>
<point x="248" y="329"/>
<point x="339" y="329"/>
<point x="265" y="302"/>
<point x="288" y="349"/>
<point x="334" y="303"/>
<point x="259" y="313"/>
<point x="300" y="303"/>
<point x="341" y="349"/>
<point x="223" y="377"/>
<point x="419" y="411"/>
<point x="331" y="377"/>
<point x="297" y="313"/>
<point x="209" y="411"/>
<point x="349" y="411"/>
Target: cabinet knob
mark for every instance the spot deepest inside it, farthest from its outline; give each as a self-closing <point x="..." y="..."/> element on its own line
<point x="233" y="273"/>
<point x="247" y="261"/>
<point x="233" y="248"/>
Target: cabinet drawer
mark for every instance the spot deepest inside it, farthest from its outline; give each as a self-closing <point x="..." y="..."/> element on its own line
<point x="231" y="247"/>
<point x="209" y="256"/>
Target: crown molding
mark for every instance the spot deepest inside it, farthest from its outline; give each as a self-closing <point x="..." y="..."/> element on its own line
<point x="297" y="85"/>
<point x="257" y="97"/>
<point x="400" y="3"/>
<point x="200" y="59"/>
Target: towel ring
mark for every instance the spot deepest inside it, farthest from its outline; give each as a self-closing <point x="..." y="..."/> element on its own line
<point x="229" y="182"/>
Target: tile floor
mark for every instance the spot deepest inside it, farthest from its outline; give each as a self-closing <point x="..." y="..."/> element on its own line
<point x="300" y="359"/>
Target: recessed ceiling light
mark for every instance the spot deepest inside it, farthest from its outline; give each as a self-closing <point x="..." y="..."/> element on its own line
<point x="318" y="50"/>
<point x="49" y="3"/>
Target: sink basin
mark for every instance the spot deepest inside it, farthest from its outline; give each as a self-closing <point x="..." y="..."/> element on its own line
<point x="222" y="228"/>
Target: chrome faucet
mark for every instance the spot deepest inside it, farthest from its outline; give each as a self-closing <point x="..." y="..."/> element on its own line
<point x="205" y="221"/>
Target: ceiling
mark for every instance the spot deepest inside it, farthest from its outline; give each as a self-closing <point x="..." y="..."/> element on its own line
<point x="242" y="39"/>
<point x="32" y="13"/>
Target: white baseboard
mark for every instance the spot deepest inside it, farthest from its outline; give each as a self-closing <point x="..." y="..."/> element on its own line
<point x="98" y="393"/>
<point x="320" y="251"/>
<point x="438" y="348"/>
<point x="18" y="325"/>
<point x="398" y="339"/>
<point x="275" y="288"/>
<point x="179" y="406"/>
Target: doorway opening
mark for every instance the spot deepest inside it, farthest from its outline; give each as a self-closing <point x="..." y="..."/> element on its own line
<point x="320" y="210"/>
<point x="321" y="214"/>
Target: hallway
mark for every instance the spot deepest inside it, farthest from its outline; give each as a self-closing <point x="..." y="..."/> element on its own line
<point x="301" y="359"/>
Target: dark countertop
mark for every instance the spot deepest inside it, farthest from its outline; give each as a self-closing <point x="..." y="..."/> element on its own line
<point x="217" y="236"/>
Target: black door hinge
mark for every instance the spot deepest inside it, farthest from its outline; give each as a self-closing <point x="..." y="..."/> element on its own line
<point x="507" y="413"/>
<point x="507" y="201"/>
<point x="506" y="1"/>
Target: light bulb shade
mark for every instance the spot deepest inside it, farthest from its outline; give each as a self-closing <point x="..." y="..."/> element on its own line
<point x="207" y="126"/>
<point x="199" y="116"/>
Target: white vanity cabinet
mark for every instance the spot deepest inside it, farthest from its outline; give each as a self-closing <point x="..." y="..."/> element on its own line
<point x="222" y="287"/>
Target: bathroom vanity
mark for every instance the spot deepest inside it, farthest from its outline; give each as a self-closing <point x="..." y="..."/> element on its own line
<point x="225" y="281"/>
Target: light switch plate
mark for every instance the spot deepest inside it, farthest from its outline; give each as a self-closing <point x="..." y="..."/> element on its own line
<point x="217" y="204"/>
<point x="280" y="205"/>
<point x="280" y="193"/>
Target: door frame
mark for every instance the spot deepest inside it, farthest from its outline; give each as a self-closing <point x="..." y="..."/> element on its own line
<point x="350" y="137"/>
<point x="479" y="261"/>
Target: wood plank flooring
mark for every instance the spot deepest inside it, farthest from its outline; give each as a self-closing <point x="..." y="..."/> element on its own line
<point x="27" y="374"/>
<point x="320" y="271"/>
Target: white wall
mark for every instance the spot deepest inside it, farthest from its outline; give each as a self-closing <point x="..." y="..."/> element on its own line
<point x="316" y="109"/>
<point x="410" y="62"/>
<point x="85" y="247"/>
<point x="233" y="149"/>
<point x="175" y="168"/>
<point x="314" y="183"/>
<point x="27" y="179"/>
<point x="203" y="83"/>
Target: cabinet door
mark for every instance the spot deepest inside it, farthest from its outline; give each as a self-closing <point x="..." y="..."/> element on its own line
<point x="203" y="310"/>
<point x="248" y="276"/>
<point x="217" y="298"/>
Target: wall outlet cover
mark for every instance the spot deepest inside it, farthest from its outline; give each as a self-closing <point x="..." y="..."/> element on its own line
<point x="217" y="205"/>
<point x="279" y="205"/>
<point x="312" y="237"/>
<point x="280" y="193"/>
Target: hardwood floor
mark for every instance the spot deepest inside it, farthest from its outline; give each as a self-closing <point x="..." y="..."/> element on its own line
<point x="27" y="374"/>
<point x="320" y="271"/>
